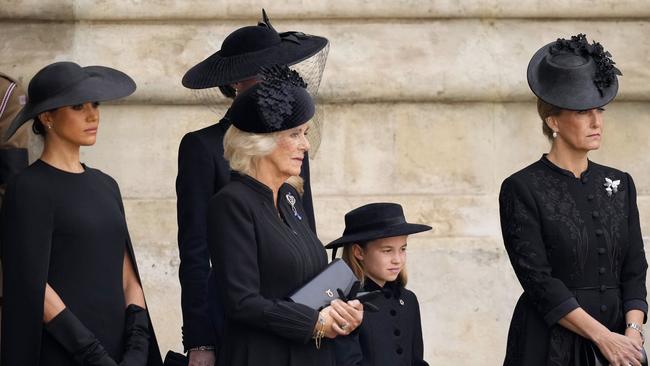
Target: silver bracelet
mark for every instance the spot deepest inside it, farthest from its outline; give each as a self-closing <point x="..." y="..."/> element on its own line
<point x="636" y="327"/>
<point x="201" y="348"/>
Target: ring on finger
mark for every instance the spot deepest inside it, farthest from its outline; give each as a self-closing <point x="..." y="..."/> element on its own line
<point x="343" y="326"/>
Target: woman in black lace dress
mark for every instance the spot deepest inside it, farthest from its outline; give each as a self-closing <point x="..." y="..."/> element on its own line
<point x="571" y="226"/>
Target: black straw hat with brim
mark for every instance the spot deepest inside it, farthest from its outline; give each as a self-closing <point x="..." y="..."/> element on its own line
<point x="245" y="51"/>
<point x="375" y="221"/>
<point x="573" y="74"/>
<point x="279" y="102"/>
<point x="64" y="84"/>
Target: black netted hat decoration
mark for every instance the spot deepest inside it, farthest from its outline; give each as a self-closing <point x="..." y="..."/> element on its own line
<point x="573" y="74"/>
<point x="606" y="71"/>
<point x="279" y="102"/>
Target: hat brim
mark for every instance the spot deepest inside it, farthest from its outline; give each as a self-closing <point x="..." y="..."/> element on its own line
<point x="102" y="84"/>
<point x="388" y="232"/>
<point x="218" y="70"/>
<point x="571" y="96"/>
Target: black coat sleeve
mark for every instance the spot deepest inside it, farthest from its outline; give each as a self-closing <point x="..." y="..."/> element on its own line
<point x="633" y="274"/>
<point x="194" y="187"/>
<point x="233" y="247"/>
<point x="348" y="350"/>
<point x="418" y="342"/>
<point x="307" y="202"/>
<point x="522" y="236"/>
<point x="27" y="223"/>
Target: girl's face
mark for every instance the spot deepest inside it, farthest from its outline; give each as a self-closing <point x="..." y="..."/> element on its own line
<point x="290" y="151"/>
<point x="579" y="130"/>
<point x="382" y="259"/>
<point x="75" y="124"/>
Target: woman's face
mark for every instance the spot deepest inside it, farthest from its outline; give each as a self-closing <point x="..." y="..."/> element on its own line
<point x="383" y="259"/>
<point x="580" y="130"/>
<point x="75" y="124"/>
<point x="290" y="151"/>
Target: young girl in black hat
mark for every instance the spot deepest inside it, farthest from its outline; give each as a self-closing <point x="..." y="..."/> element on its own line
<point x="374" y="246"/>
<point x="571" y="226"/>
<point x="72" y="294"/>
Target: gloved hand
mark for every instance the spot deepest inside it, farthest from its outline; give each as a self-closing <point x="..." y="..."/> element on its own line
<point x="136" y="336"/>
<point x="77" y="340"/>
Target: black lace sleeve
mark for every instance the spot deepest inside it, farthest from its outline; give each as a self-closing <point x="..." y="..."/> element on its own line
<point x="522" y="236"/>
<point x="633" y="274"/>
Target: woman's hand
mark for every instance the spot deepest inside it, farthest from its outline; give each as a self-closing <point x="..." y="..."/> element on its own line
<point x="202" y="358"/>
<point x="347" y="316"/>
<point x="620" y="350"/>
<point x="635" y="336"/>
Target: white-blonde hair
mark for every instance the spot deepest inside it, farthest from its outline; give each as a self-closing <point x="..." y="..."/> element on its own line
<point x="243" y="151"/>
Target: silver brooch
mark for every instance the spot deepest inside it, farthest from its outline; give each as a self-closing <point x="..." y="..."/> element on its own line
<point x="401" y="302"/>
<point x="292" y="201"/>
<point x="611" y="186"/>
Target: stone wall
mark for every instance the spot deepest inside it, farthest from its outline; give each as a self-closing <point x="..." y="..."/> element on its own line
<point x="426" y="104"/>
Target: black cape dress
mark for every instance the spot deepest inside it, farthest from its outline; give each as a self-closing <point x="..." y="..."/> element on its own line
<point x="572" y="243"/>
<point x="262" y="256"/>
<point x="68" y="230"/>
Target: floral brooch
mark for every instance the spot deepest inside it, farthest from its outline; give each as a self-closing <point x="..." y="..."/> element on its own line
<point x="611" y="186"/>
<point x="292" y="201"/>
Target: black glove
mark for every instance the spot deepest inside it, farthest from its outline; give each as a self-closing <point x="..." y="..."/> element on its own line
<point x="363" y="297"/>
<point x="136" y="335"/>
<point x="77" y="340"/>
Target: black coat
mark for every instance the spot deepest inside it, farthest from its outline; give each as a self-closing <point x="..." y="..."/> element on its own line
<point x="390" y="337"/>
<point x="202" y="172"/>
<point x="67" y="230"/>
<point x="262" y="256"/>
<point x="571" y="245"/>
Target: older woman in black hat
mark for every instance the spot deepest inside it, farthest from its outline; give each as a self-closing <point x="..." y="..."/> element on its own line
<point x="374" y="246"/>
<point x="260" y="241"/>
<point x="202" y="170"/>
<point x="72" y="293"/>
<point x="571" y="226"/>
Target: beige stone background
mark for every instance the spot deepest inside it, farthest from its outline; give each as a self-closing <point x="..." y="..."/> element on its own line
<point x="426" y="104"/>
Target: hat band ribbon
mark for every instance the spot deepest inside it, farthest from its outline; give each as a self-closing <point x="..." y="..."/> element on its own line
<point x="294" y="37"/>
<point x="375" y="224"/>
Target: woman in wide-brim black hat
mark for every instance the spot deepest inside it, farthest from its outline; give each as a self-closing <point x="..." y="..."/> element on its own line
<point x="72" y="293"/>
<point x="374" y="245"/>
<point x="260" y="241"/>
<point x="202" y="170"/>
<point x="571" y="226"/>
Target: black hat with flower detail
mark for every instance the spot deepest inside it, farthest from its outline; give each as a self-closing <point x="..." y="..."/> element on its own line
<point x="279" y="102"/>
<point x="573" y="74"/>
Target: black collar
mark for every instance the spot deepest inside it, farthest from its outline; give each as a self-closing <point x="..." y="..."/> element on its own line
<point x="258" y="187"/>
<point x="393" y="288"/>
<point x="562" y="171"/>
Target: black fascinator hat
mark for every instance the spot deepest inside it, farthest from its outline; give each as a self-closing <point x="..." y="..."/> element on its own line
<point x="279" y="102"/>
<point x="573" y="74"/>
<point x="64" y="84"/>
<point x="246" y="50"/>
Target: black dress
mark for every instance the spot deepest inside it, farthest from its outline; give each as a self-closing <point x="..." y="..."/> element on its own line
<point x="390" y="337"/>
<point x="202" y="172"/>
<point x="572" y="244"/>
<point x="262" y="257"/>
<point x="67" y="230"/>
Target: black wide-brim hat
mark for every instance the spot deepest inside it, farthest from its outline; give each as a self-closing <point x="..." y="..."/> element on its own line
<point x="375" y="221"/>
<point x="64" y="84"/>
<point x="246" y="50"/>
<point x="573" y="74"/>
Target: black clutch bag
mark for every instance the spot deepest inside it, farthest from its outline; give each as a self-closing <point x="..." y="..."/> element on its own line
<point x="322" y="289"/>
<point x="595" y="358"/>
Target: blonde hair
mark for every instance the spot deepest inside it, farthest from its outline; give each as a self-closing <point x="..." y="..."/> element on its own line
<point x="546" y="110"/>
<point x="357" y="266"/>
<point x="243" y="150"/>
